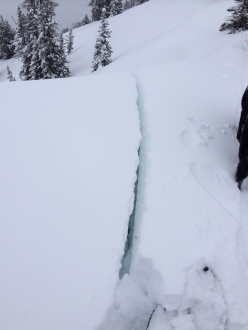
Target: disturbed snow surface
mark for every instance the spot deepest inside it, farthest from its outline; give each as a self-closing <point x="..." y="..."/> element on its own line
<point x="191" y="200"/>
<point x="188" y="267"/>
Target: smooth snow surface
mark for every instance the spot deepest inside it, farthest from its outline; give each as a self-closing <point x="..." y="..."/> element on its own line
<point x="67" y="177"/>
<point x="71" y="153"/>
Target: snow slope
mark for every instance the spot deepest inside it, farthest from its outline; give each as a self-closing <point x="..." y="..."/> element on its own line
<point x="67" y="179"/>
<point x="189" y="256"/>
<point x="158" y="32"/>
<point x="189" y="202"/>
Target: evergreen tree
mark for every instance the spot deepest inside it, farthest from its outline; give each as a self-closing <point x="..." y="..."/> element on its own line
<point x="7" y="35"/>
<point x="103" y="50"/>
<point x="239" y="19"/>
<point x="76" y="25"/>
<point x="35" y="67"/>
<point x="86" y="20"/>
<point x="131" y="3"/>
<point x="65" y="30"/>
<point x="139" y="2"/>
<point x="97" y="7"/>
<point x="30" y="23"/>
<point x="62" y="45"/>
<point x="41" y="56"/>
<point x="126" y="5"/>
<point x="20" y="34"/>
<point x="62" y="60"/>
<point x="29" y="5"/>
<point x="69" y="40"/>
<point x="116" y="7"/>
<point x="10" y="75"/>
<point x="51" y="62"/>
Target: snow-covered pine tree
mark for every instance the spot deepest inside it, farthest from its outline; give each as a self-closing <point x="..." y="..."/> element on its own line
<point x="116" y="7"/>
<point x="103" y="50"/>
<point x="69" y="41"/>
<point x="20" y="33"/>
<point x="10" y="75"/>
<point x="7" y="35"/>
<point x="126" y="5"/>
<point x="76" y="25"/>
<point x="239" y="19"/>
<point x="51" y="60"/>
<point x="30" y="36"/>
<point x="97" y="7"/>
<point x="42" y="57"/>
<point x="62" y="45"/>
<point x="131" y="3"/>
<point x="35" y="67"/>
<point x="64" y="72"/>
<point x="139" y="2"/>
<point x="86" y="20"/>
<point x="65" y="30"/>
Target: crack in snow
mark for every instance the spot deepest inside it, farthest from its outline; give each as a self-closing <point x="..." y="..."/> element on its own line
<point x="127" y="256"/>
<point x="126" y="259"/>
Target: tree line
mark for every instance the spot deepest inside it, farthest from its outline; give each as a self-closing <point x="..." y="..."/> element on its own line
<point x="42" y="50"/>
<point x="238" y="21"/>
<point x="112" y="7"/>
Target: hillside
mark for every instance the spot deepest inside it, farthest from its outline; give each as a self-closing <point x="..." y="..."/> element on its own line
<point x="145" y="147"/>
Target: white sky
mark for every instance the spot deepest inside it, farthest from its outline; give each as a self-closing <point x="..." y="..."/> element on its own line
<point x="68" y="11"/>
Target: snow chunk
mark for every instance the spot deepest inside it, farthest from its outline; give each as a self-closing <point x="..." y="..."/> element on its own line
<point x="69" y="155"/>
<point x="131" y="309"/>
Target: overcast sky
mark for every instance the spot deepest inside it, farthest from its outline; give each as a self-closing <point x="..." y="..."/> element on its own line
<point x="68" y="11"/>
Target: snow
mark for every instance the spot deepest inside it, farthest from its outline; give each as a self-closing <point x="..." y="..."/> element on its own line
<point x="189" y="202"/>
<point x="131" y="309"/>
<point x="67" y="179"/>
<point x="77" y="158"/>
<point x="180" y="26"/>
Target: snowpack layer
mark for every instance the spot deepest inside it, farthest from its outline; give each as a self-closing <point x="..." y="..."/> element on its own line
<point x="68" y="152"/>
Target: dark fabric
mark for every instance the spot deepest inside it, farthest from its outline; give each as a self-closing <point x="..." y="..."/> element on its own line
<point x="244" y="113"/>
<point x="242" y="171"/>
<point x="242" y="136"/>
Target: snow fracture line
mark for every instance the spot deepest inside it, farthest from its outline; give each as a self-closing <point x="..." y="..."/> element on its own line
<point x="127" y="256"/>
<point x="126" y="259"/>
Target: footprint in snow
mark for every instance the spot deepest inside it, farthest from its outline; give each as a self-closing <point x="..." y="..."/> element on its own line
<point x="197" y="133"/>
